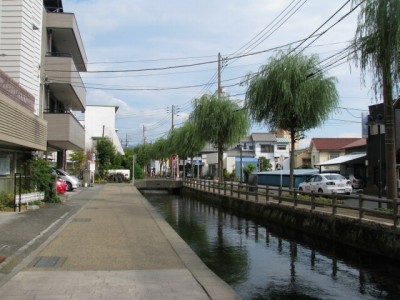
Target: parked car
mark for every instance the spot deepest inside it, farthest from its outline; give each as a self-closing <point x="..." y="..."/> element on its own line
<point x="72" y="181"/>
<point x="326" y="183"/>
<point x="61" y="186"/>
<point x="356" y="183"/>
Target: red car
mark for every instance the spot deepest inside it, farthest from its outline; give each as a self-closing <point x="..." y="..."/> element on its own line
<point x="61" y="186"/>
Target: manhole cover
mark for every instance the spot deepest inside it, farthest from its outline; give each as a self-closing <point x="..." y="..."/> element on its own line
<point x="49" y="262"/>
<point x="82" y="220"/>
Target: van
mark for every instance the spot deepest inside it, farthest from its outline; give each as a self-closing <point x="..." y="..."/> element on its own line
<point x="72" y="181"/>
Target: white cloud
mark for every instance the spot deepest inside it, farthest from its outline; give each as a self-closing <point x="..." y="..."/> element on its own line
<point x="137" y="30"/>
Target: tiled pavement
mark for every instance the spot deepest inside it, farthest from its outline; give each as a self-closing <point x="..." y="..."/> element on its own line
<point x="115" y="247"/>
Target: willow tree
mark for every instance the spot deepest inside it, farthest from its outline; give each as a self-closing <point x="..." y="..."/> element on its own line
<point x="190" y="142"/>
<point x="221" y="122"/>
<point x="377" y="49"/>
<point x="291" y="93"/>
<point x="160" y="152"/>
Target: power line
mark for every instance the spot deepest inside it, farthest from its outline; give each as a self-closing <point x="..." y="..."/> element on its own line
<point x="323" y="24"/>
<point x="269" y="33"/>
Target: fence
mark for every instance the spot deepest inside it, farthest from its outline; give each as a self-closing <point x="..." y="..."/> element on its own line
<point x="359" y="206"/>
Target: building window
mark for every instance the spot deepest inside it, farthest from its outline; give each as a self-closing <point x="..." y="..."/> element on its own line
<point x="267" y="148"/>
<point x="281" y="147"/>
<point x="306" y="162"/>
<point x="334" y="155"/>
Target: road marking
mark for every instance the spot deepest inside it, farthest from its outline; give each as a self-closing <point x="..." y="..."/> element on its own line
<point x="31" y="242"/>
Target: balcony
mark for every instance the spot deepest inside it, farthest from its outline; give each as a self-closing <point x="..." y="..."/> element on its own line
<point x="64" y="82"/>
<point x="20" y="129"/>
<point x="64" y="132"/>
<point x="65" y="37"/>
<point x="15" y="92"/>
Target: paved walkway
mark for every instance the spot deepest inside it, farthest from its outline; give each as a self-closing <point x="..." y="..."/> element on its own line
<point x="115" y="247"/>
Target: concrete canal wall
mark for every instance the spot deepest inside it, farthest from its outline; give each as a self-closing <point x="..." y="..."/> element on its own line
<point x="371" y="237"/>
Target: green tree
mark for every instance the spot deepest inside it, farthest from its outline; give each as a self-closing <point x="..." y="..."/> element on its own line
<point x="186" y="142"/>
<point x="247" y="171"/>
<point x="105" y="156"/>
<point x="42" y="179"/>
<point x="143" y="156"/>
<point x="291" y="93"/>
<point x="265" y="164"/>
<point x="220" y="122"/>
<point x="377" y="49"/>
<point x="79" y="161"/>
<point x="161" y="152"/>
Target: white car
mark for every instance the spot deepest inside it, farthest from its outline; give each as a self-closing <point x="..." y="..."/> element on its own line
<point x="326" y="183"/>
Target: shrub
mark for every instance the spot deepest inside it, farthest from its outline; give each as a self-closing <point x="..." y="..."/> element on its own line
<point x="43" y="180"/>
<point x="6" y="200"/>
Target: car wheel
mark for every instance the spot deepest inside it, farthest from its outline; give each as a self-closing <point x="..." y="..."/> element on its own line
<point x="300" y="189"/>
<point x="320" y="191"/>
<point x="69" y="186"/>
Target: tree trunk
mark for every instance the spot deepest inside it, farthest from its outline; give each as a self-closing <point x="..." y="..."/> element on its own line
<point x="220" y="163"/>
<point x="291" y="154"/>
<point x="390" y="145"/>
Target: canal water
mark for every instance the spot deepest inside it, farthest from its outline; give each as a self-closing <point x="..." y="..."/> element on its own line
<point x="266" y="261"/>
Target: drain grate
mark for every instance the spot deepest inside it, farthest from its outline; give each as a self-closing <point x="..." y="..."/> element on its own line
<point x="82" y="220"/>
<point x="48" y="262"/>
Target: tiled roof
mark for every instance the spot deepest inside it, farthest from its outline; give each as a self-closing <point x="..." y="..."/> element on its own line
<point x="358" y="143"/>
<point x="332" y="143"/>
<point x="283" y="140"/>
<point x="263" y="137"/>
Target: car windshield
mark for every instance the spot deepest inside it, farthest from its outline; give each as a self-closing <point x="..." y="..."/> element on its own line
<point x="334" y="177"/>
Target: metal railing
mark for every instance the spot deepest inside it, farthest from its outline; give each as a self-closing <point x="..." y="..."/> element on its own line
<point x="355" y="206"/>
<point x="14" y="91"/>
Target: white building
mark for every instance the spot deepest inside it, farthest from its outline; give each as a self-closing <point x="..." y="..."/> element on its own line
<point x="41" y="57"/>
<point x="268" y="145"/>
<point x="100" y="122"/>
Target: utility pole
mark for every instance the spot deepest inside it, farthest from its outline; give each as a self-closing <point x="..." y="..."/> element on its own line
<point x="144" y="135"/>
<point x="219" y="75"/>
<point x="173" y="112"/>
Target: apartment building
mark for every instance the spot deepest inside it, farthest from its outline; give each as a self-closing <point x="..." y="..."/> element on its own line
<point x="41" y="57"/>
<point x="100" y="123"/>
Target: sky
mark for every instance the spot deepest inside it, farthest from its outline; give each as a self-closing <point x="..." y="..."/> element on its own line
<point x="150" y="58"/>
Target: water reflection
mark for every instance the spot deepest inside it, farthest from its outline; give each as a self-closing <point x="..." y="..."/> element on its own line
<point x="266" y="261"/>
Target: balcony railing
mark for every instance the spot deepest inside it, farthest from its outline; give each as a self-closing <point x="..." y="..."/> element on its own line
<point x="14" y="91"/>
<point x="58" y="54"/>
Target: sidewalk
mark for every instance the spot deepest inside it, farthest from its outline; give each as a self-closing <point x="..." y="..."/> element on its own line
<point x="115" y="247"/>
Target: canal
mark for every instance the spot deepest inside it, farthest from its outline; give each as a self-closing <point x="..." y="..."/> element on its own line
<point x="267" y="261"/>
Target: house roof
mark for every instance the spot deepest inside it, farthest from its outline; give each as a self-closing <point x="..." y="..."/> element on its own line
<point x="358" y="143"/>
<point x="332" y="143"/>
<point x="263" y="137"/>
<point x="283" y="140"/>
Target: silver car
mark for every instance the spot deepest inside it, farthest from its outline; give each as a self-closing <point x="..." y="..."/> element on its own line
<point x="72" y="181"/>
